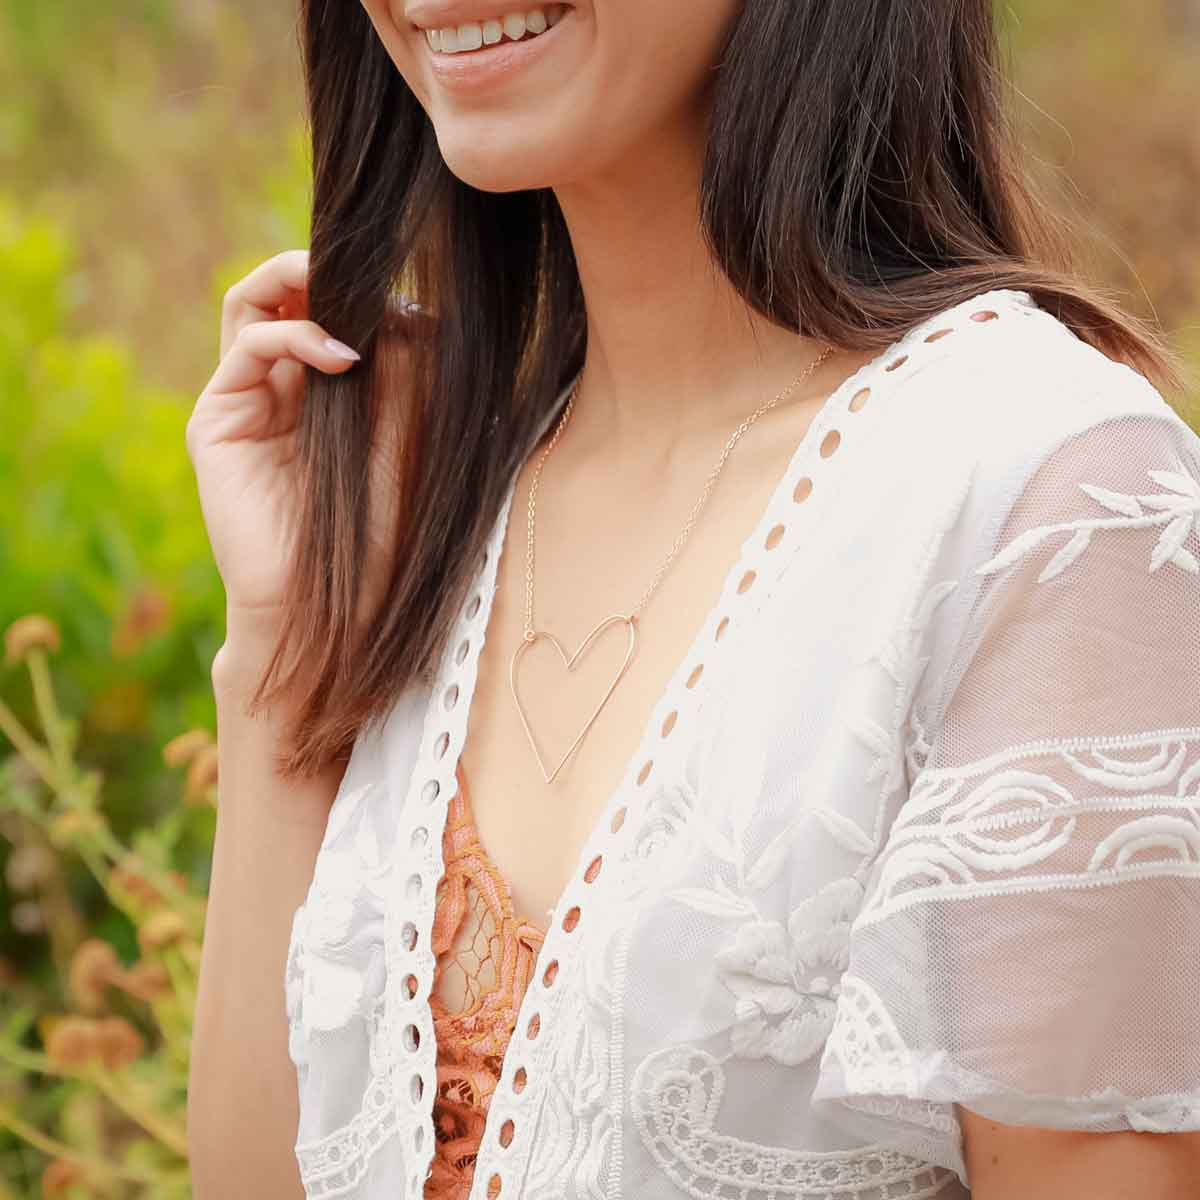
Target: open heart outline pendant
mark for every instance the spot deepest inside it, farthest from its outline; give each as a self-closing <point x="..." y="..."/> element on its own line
<point x="630" y="621"/>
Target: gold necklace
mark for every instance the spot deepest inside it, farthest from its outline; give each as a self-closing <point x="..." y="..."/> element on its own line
<point x="530" y="635"/>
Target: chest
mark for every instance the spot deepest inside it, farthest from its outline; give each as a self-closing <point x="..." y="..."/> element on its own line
<point x="785" y="589"/>
<point x="603" y="549"/>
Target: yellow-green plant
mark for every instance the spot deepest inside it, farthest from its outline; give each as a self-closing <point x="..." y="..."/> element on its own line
<point x="93" y="1074"/>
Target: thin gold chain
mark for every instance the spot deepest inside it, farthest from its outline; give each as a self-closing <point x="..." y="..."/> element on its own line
<point x="696" y="508"/>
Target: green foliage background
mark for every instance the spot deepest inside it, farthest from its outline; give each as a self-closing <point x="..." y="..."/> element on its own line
<point x="152" y="151"/>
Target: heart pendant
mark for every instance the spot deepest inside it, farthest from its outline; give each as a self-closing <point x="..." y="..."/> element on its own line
<point x="630" y="622"/>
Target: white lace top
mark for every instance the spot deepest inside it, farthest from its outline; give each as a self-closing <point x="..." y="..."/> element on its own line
<point x="916" y="823"/>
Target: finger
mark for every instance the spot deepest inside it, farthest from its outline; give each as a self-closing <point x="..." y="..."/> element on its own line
<point x="258" y="296"/>
<point x="259" y="345"/>
<point x="295" y="307"/>
<point x="286" y="378"/>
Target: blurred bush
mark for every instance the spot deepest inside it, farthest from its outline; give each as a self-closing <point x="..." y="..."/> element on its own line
<point x="103" y="529"/>
<point x="103" y="526"/>
<point x="165" y="136"/>
<point x="97" y="1105"/>
<point x="141" y="176"/>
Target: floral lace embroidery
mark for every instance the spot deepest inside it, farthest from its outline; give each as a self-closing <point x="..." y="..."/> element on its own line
<point x="327" y="997"/>
<point x="1009" y="822"/>
<point x="876" y="1073"/>
<point x="676" y="1097"/>
<point x="787" y="981"/>
<point x="335" y="1164"/>
<point x="324" y="993"/>
<point x="1178" y="510"/>
<point x="872" y="1070"/>
<point x="489" y="953"/>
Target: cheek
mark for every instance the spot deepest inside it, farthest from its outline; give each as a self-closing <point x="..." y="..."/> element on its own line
<point x="656" y="59"/>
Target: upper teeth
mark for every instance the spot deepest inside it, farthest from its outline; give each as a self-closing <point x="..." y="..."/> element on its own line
<point x="474" y="34"/>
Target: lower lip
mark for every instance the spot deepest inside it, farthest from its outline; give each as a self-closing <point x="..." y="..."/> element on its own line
<point x="474" y="70"/>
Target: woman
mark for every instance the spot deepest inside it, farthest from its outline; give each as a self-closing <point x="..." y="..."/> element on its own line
<point x="827" y="822"/>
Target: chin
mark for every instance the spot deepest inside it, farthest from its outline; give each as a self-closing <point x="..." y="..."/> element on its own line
<point x="502" y="165"/>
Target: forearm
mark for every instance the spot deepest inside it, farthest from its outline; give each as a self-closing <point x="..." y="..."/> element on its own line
<point x="242" y="1101"/>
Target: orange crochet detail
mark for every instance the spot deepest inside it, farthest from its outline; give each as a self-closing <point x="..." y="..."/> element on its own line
<point x="485" y="959"/>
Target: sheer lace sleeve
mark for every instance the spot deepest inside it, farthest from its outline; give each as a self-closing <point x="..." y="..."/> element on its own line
<point x="1029" y="946"/>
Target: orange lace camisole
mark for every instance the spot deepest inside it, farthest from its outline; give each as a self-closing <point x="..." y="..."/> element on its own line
<point x="485" y="958"/>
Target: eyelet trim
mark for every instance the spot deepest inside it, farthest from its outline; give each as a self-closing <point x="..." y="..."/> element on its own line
<point x="410" y="959"/>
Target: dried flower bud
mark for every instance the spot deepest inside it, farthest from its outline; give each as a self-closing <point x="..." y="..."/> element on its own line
<point x="33" y="632"/>
<point x="75" y="824"/>
<point x="28" y="867"/>
<point x="146" y="979"/>
<point x="180" y="751"/>
<point x="94" y="966"/>
<point x="147" y="615"/>
<point x="72" y="1041"/>
<point x="129" y="878"/>
<point x="162" y="929"/>
<point x="202" y="774"/>
<point x="27" y="917"/>
<point x="118" y="1042"/>
<point x="59" y="1175"/>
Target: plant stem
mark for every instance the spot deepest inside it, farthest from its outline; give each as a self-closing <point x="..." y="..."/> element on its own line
<point x="52" y="725"/>
<point x="182" y="978"/>
<point x="169" y="1134"/>
<point x="48" y="1145"/>
<point x="188" y="906"/>
<point x="108" y="1083"/>
<point x="28" y="748"/>
<point x="63" y="922"/>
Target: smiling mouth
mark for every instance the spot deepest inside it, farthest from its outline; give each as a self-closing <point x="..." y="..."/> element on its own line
<point x="473" y="37"/>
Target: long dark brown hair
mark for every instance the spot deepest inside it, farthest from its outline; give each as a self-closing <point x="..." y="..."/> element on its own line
<point x="861" y="175"/>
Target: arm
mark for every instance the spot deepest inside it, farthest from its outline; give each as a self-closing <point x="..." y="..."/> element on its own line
<point x="242" y="1095"/>
<point x="1026" y="952"/>
<point x="1023" y="1162"/>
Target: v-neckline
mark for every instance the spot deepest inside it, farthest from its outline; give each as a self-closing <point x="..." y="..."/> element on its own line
<point x="502" y="880"/>
<point x="710" y="645"/>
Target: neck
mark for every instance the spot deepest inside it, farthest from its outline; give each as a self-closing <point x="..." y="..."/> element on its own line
<point x="673" y="350"/>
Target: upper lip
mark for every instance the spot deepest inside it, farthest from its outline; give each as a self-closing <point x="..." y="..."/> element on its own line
<point x="434" y="15"/>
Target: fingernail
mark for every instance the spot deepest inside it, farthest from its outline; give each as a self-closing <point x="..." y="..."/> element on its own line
<point x="341" y="349"/>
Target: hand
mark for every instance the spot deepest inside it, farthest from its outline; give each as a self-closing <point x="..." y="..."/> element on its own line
<point x="241" y="438"/>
